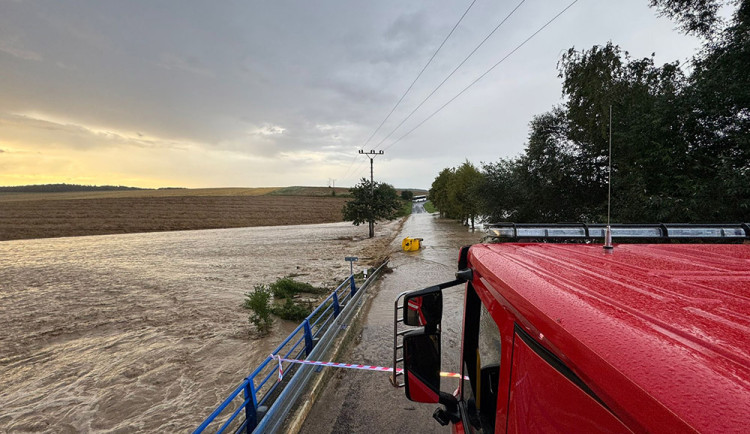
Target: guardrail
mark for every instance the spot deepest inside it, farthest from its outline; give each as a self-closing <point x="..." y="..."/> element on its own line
<point x="265" y="402"/>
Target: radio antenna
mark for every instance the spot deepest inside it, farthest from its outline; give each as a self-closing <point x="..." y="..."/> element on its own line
<point x="608" y="232"/>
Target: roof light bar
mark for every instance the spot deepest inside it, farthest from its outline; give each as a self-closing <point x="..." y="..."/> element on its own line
<point x="596" y="230"/>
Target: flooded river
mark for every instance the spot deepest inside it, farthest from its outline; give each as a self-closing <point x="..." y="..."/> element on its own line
<point x="145" y="332"/>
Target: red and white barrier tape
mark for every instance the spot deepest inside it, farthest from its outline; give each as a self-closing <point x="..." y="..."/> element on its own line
<point x="348" y="366"/>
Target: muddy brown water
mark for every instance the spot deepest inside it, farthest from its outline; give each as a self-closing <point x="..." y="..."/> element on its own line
<point x="145" y="332"/>
<point x="365" y="402"/>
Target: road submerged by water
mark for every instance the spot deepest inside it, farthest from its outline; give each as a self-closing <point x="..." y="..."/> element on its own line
<point x="365" y="402"/>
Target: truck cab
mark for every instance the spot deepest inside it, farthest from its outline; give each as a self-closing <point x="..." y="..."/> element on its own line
<point x="576" y="338"/>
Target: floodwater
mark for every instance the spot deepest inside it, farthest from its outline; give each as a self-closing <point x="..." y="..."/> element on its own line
<point x="145" y="332"/>
<point x="365" y="402"/>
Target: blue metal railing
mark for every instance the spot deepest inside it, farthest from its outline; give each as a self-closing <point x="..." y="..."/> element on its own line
<point x="257" y="393"/>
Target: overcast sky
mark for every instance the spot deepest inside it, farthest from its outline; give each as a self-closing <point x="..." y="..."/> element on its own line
<point x="278" y="93"/>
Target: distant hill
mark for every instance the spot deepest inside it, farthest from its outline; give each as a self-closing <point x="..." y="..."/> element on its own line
<point x="310" y="191"/>
<point x="59" y="188"/>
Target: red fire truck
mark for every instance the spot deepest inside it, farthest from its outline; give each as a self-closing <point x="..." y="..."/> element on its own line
<point x="571" y="337"/>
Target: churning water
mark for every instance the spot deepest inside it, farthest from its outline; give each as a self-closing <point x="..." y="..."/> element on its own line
<point x="145" y="332"/>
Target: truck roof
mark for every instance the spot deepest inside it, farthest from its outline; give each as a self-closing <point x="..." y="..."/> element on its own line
<point x="659" y="332"/>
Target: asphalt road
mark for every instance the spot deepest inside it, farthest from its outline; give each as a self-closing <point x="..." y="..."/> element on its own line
<point x="418" y="208"/>
<point x="365" y="402"/>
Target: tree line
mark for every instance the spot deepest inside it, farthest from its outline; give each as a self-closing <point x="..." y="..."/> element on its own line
<point x="680" y="140"/>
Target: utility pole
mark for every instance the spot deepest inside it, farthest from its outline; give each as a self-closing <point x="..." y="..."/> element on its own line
<point x="371" y="155"/>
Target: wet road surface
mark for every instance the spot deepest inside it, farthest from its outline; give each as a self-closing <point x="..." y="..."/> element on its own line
<point x="365" y="402"/>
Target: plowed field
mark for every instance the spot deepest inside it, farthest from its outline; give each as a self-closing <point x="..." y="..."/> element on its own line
<point x="57" y="216"/>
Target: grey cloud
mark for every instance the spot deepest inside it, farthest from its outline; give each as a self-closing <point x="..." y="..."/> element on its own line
<point x="190" y="64"/>
<point x="214" y="74"/>
<point x="14" y="50"/>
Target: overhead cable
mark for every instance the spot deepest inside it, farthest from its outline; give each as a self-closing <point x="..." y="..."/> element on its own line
<point x="413" y="82"/>
<point x="451" y="74"/>
<point x="484" y="74"/>
<point x="420" y="73"/>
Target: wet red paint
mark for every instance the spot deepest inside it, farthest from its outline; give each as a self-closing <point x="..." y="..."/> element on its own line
<point x="419" y="391"/>
<point x="658" y="332"/>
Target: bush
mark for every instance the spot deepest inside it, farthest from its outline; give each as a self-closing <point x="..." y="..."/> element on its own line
<point x="406" y="207"/>
<point x="291" y="311"/>
<point x="287" y="288"/>
<point x="259" y="302"/>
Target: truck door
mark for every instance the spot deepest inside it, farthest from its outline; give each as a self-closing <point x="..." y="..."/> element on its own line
<point x="481" y="363"/>
<point x="516" y="385"/>
<point x="546" y="396"/>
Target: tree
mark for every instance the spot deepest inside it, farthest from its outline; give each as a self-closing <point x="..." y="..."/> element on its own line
<point x="371" y="202"/>
<point x="649" y="153"/>
<point x="439" y="192"/>
<point x="680" y="143"/>
<point x="407" y="195"/>
<point x="464" y="194"/>
<point x="699" y="17"/>
<point x="502" y="190"/>
<point x="718" y="126"/>
<point x="456" y="192"/>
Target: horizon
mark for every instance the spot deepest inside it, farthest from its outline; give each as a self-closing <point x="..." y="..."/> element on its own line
<point x="190" y="188"/>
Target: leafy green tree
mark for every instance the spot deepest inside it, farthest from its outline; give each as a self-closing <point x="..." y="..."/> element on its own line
<point x="456" y="193"/>
<point x="699" y="17"/>
<point x="371" y="202"/>
<point x="556" y="176"/>
<point x="718" y="124"/>
<point x="502" y="197"/>
<point x="439" y="192"/>
<point x="464" y="193"/>
<point x="407" y="195"/>
<point x="680" y="144"/>
<point x="648" y="152"/>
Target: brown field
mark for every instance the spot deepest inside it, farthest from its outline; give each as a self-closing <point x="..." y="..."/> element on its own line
<point x="167" y="192"/>
<point x="45" y="215"/>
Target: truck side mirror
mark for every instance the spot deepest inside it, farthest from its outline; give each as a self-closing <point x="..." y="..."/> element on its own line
<point x="424" y="307"/>
<point x="422" y="366"/>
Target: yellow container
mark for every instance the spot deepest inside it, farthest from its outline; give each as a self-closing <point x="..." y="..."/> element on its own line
<point x="411" y="244"/>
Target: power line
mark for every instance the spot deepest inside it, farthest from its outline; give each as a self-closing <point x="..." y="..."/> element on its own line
<point x="451" y="74"/>
<point x="412" y="83"/>
<point x="420" y="73"/>
<point x="484" y="74"/>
